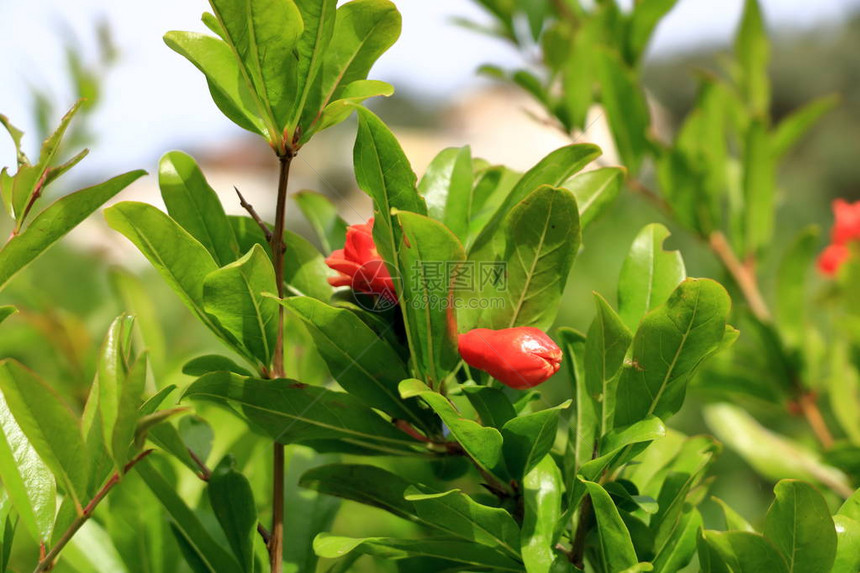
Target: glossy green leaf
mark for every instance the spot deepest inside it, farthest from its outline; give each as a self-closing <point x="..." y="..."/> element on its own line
<point x="364" y="364"/>
<point x="430" y="256"/>
<point x="752" y="50"/>
<point x="734" y="521"/>
<point x="212" y="363"/>
<point x="56" y="220"/>
<point x="305" y="271"/>
<point x="844" y="390"/>
<point x="137" y="300"/>
<point x="49" y="424"/>
<point x="585" y="423"/>
<point x="681" y="546"/>
<point x="552" y="170"/>
<point x="318" y="17"/>
<point x="292" y="412"/>
<point x="772" y="455"/>
<point x="178" y="257"/>
<point x="447" y="187"/>
<point x="192" y="203"/>
<point x="851" y="506"/>
<point x="605" y="349"/>
<point x="794" y="126"/>
<point x="456" y="551"/>
<point x="671" y="342"/>
<point x="459" y="515"/>
<point x="207" y="551"/>
<point x="233" y="503"/>
<point x="233" y="296"/>
<point x="483" y="444"/>
<point x="614" y="543"/>
<point x="543" y="237"/>
<point x="363" y="31"/>
<point x="542" y="492"/>
<point x="626" y="108"/>
<point x="649" y="275"/>
<point x="745" y="552"/>
<point x="230" y="91"/>
<point x="321" y="213"/>
<point x="263" y="35"/>
<point x="759" y="183"/>
<point x="492" y="405"/>
<point x="848" y="547"/>
<point x="27" y="480"/>
<point x="595" y="191"/>
<point x="352" y="95"/>
<point x="529" y="438"/>
<point x="647" y="14"/>
<point x="799" y="524"/>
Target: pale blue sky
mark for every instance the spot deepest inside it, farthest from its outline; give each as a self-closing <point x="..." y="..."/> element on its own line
<point x="154" y="100"/>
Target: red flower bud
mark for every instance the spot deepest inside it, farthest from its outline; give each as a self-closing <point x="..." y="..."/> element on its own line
<point x="846" y="224"/>
<point x="832" y="258"/>
<point x="519" y="357"/>
<point x="359" y="264"/>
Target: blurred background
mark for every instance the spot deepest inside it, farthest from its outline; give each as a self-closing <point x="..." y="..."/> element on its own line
<point x="144" y="100"/>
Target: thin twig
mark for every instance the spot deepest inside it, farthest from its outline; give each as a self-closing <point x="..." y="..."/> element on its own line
<point x="46" y="562"/>
<point x="743" y="275"/>
<point x="205" y="472"/>
<point x="254" y="215"/>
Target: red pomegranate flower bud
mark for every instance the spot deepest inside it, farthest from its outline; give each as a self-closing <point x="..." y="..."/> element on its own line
<point x="359" y="264"/>
<point x="832" y="258"/>
<point x="846" y="224"/>
<point x="520" y="357"/>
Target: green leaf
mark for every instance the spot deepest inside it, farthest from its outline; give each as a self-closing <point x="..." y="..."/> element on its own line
<point x="734" y="521"/>
<point x="6" y="311"/>
<point x="233" y="296"/>
<point x="844" y="389"/>
<point x="614" y="543"/>
<point x="230" y="92"/>
<point x="207" y="551"/>
<point x="528" y="439"/>
<point x="680" y="547"/>
<point x="649" y="274"/>
<point x="848" y="547"/>
<point x="770" y="454"/>
<point x="233" y="503"/>
<point x="483" y="444"/>
<point x="447" y="187"/>
<point x="584" y="424"/>
<point x="626" y="108"/>
<point x="458" y="514"/>
<point x="745" y="552"/>
<point x="759" y="187"/>
<point x="322" y="215"/>
<point x="595" y="191"/>
<point x="363" y="31"/>
<point x="470" y="554"/>
<point x="605" y="349"/>
<point x="212" y="363"/>
<point x="49" y="424"/>
<point x="430" y="256"/>
<point x="647" y="14"/>
<point x="352" y="95"/>
<point x="27" y="480"/>
<point x="542" y="492"/>
<point x="671" y="342"/>
<point x="799" y="524"/>
<point x="552" y="170"/>
<point x="305" y="271"/>
<point x="192" y="203"/>
<point x="291" y="412"/>
<point x="791" y="285"/>
<point x="263" y="35"/>
<point x="491" y="404"/>
<point x="318" y="17"/>
<point x="137" y="300"/>
<point x="791" y="129"/>
<point x="178" y="257"/>
<point x="363" y="364"/>
<point x="55" y="221"/>
<point x="752" y="50"/>
<point x="543" y="238"/>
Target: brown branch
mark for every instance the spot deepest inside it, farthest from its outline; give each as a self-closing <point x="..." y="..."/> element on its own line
<point x="46" y="561"/>
<point x="743" y="275"/>
<point x="810" y="410"/>
<point x="254" y="215"/>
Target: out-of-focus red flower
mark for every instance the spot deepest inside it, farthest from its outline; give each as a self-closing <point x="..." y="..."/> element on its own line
<point x="846" y="223"/>
<point x="831" y="258"/>
<point x="520" y="357"/>
<point x="359" y="264"/>
<point x="846" y="229"/>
